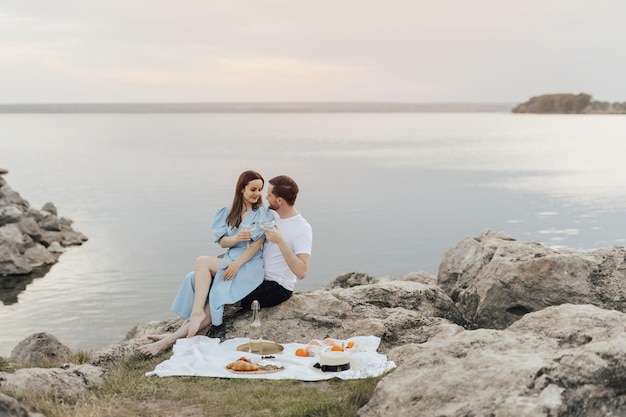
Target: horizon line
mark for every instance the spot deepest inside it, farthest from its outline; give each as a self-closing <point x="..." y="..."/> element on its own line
<point x="250" y="106"/>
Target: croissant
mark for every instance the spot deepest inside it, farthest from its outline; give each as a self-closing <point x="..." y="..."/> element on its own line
<point x="240" y="365"/>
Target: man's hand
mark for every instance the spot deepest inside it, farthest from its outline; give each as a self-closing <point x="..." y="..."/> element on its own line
<point x="273" y="234"/>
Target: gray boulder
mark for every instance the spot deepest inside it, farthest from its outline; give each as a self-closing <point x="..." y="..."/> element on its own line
<point x="50" y="222"/>
<point x="11" y="235"/>
<point x="495" y="279"/>
<point x="9" y="196"/>
<point x="568" y="360"/>
<point x="10" y="214"/>
<point x="40" y="347"/>
<point x="11" y="262"/>
<point x="136" y="337"/>
<point x="50" y="208"/>
<point x="68" y="380"/>
<point x="351" y="279"/>
<point x="38" y="255"/>
<point x="29" y="226"/>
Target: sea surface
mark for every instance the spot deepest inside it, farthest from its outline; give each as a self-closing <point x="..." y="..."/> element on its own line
<point x="387" y="193"/>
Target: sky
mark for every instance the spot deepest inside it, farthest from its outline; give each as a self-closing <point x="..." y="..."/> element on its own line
<point x="420" y="51"/>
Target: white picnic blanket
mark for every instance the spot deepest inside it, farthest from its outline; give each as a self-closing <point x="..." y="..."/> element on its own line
<point x="204" y="356"/>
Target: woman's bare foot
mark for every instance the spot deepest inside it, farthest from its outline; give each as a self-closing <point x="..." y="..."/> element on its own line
<point x="155" y="348"/>
<point x="157" y="337"/>
<point x="195" y="321"/>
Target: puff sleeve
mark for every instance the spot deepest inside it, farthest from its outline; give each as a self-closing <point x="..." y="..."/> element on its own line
<point x="219" y="226"/>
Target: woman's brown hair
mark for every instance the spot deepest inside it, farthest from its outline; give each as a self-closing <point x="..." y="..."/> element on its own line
<point x="234" y="217"/>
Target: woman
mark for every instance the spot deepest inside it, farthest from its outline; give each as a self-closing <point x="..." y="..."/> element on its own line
<point x="237" y="228"/>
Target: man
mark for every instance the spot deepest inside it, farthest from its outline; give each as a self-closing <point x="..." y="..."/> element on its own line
<point x="286" y="255"/>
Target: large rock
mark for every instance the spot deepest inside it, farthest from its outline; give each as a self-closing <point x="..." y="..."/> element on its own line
<point x="68" y="380"/>
<point x="495" y="279"/>
<point x="40" y="347"/>
<point x="9" y="196"/>
<point x="29" y="227"/>
<point x="37" y="255"/>
<point x="44" y="348"/>
<point x="10" y="214"/>
<point x="27" y="234"/>
<point x="568" y="360"/>
<point x="11" y="263"/>
<point x="351" y="279"/>
<point x="397" y="311"/>
<point x="136" y="337"/>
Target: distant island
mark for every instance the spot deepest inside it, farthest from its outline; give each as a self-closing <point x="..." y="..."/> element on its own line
<point x="569" y="104"/>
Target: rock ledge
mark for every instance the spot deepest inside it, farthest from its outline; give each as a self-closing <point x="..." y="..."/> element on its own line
<point x="30" y="240"/>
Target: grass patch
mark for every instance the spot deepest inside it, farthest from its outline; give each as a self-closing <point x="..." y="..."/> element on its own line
<point x="78" y="358"/>
<point x="126" y="392"/>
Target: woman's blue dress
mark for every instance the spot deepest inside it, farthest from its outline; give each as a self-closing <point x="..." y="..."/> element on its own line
<point x="249" y="276"/>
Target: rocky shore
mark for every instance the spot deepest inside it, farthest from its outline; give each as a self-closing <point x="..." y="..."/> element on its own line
<point x="506" y="328"/>
<point x="31" y="240"/>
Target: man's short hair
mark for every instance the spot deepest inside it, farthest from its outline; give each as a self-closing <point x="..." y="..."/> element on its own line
<point x="286" y="188"/>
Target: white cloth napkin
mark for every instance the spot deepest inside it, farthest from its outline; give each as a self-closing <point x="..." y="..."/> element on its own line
<point x="203" y="356"/>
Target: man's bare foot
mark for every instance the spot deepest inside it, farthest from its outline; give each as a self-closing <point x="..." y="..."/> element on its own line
<point x="195" y="321"/>
<point x="155" y="348"/>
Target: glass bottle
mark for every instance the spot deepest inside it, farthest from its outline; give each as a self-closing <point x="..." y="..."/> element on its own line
<point x="256" y="333"/>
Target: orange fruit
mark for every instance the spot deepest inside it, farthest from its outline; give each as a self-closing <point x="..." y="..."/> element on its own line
<point x="336" y="348"/>
<point x="301" y="352"/>
<point x="350" y="345"/>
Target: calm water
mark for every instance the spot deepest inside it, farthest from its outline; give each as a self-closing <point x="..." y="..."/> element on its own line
<point x="386" y="194"/>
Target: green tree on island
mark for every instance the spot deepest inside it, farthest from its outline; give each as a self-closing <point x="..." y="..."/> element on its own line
<point x="555" y="103"/>
<point x="569" y="104"/>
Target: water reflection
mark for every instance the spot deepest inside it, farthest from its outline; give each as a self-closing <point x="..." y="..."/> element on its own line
<point x="12" y="285"/>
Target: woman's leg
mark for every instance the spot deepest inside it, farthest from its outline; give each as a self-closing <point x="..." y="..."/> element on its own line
<point x="165" y="341"/>
<point x="205" y="268"/>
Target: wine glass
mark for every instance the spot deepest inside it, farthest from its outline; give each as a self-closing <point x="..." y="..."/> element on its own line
<point x="248" y="228"/>
<point x="270" y="225"/>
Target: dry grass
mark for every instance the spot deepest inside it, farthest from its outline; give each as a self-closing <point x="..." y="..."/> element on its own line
<point x="128" y="393"/>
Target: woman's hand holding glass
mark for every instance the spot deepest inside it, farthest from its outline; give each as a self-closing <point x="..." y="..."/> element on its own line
<point x="248" y="228"/>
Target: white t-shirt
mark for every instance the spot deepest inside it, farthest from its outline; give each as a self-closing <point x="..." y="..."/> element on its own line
<point x="298" y="235"/>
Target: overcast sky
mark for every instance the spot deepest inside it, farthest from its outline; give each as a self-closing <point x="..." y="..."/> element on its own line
<point x="60" y="51"/>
